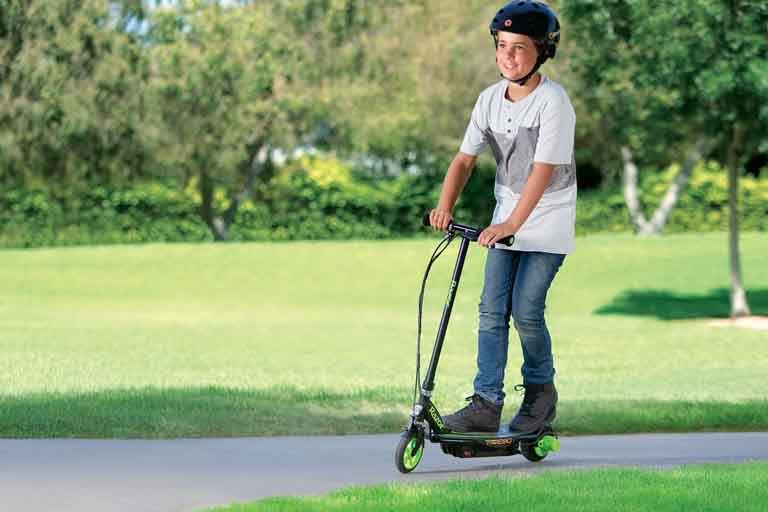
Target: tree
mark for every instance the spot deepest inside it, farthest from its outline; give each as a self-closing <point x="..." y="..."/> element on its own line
<point x="398" y="79"/>
<point x="638" y="114"/>
<point x="70" y="81"/>
<point x="220" y="93"/>
<point x="691" y="74"/>
<point x="425" y="64"/>
<point x="233" y="84"/>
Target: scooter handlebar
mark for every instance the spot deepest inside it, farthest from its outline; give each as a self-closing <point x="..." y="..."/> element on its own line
<point x="468" y="232"/>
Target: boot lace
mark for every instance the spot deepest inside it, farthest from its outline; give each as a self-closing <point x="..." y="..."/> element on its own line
<point x="475" y="402"/>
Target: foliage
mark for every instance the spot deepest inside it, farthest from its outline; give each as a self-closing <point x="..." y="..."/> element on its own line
<point x="424" y="64"/>
<point x="320" y="197"/>
<point x="150" y="212"/>
<point x="703" y="207"/>
<point x="221" y="95"/>
<point x="233" y="84"/>
<point x="660" y="77"/>
<point x="193" y="97"/>
<point x="70" y="94"/>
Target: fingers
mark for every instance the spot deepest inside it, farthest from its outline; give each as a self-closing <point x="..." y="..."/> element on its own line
<point x="440" y="220"/>
<point x="485" y="237"/>
<point x="489" y="237"/>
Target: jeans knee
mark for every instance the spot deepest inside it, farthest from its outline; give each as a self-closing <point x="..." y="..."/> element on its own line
<point x="491" y="319"/>
<point x="529" y="324"/>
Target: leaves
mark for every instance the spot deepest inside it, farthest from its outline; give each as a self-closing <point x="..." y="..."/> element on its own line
<point x="662" y="74"/>
<point x="69" y="108"/>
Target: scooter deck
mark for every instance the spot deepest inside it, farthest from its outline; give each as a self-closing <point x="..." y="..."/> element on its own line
<point x="533" y="445"/>
<point x="502" y="434"/>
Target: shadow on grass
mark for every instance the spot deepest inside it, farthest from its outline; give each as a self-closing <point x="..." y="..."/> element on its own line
<point x="636" y="416"/>
<point x="152" y="413"/>
<point x="666" y="305"/>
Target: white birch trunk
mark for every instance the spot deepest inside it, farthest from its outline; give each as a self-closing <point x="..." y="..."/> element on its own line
<point x="631" y="195"/>
<point x="660" y="216"/>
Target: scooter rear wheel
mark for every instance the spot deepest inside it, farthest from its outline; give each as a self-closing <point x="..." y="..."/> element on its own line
<point x="537" y="451"/>
<point x="409" y="451"/>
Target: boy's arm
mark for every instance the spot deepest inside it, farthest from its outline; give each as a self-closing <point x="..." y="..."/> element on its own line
<point x="534" y="188"/>
<point x="455" y="178"/>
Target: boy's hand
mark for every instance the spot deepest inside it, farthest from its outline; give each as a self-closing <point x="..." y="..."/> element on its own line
<point x="494" y="233"/>
<point x="440" y="219"/>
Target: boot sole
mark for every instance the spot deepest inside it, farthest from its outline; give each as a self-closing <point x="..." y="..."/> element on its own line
<point x="457" y="428"/>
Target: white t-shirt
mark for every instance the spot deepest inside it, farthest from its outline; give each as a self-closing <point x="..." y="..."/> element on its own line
<point x="538" y="128"/>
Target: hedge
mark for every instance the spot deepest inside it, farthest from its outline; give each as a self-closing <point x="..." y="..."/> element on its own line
<point x="321" y="198"/>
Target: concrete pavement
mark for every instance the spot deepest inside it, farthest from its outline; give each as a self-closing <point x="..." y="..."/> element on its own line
<point x="192" y="474"/>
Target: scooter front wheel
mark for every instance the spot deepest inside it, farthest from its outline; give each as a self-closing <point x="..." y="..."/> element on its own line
<point x="409" y="451"/>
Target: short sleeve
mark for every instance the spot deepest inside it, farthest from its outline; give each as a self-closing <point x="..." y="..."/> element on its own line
<point x="556" y="132"/>
<point x="474" y="138"/>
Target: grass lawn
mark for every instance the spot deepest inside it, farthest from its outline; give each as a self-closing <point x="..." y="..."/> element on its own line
<point x="704" y="488"/>
<point x="319" y="337"/>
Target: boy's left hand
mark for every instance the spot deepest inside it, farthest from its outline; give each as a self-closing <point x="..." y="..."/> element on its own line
<point x="494" y="233"/>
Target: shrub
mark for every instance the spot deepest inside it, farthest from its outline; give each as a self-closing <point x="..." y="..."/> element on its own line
<point x="322" y="198"/>
<point x="702" y="207"/>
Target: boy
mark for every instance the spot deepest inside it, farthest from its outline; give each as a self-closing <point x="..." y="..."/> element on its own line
<point x="529" y="123"/>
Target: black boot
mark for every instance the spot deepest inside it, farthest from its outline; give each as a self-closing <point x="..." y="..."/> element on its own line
<point x="538" y="408"/>
<point x="479" y="416"/>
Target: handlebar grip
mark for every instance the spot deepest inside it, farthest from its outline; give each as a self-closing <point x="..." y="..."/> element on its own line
<point x="507" y="240"/>
<point x="425" y="220"/>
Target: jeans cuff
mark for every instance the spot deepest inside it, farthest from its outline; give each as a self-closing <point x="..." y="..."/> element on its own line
<point x="493" y="398"/>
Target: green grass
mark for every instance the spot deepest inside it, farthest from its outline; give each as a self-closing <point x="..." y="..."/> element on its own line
<point x="319" y="337"/>
<point x="703" y="488"/>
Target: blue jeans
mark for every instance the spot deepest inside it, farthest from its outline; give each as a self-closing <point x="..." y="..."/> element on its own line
<point x="516" y="285"/>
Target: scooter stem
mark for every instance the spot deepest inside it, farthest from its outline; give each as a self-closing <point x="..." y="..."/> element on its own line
<point x="429" y="379"/>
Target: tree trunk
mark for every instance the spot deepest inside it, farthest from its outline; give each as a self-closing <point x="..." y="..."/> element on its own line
<point x="654" y="227"/>
<point x="631" y="195"/>
<point x="207" y="212"/>
<point x="256" y="166"/>
<point x="219" y="225"/>
<point x="739" y="305"/>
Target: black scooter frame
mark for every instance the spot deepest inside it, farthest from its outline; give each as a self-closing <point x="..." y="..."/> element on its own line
<point x="425" y="415"/>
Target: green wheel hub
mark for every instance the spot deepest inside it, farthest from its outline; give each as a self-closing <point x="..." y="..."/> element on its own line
<point x="409" y="450"/>
<point x="546" y="445"/>
<point x="413" y="452"/>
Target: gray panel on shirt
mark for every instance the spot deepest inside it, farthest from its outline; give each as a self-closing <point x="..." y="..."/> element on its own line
<point x="514" y="160"/>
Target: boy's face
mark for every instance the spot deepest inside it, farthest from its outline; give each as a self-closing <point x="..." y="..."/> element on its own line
<point x="516" y="55"/>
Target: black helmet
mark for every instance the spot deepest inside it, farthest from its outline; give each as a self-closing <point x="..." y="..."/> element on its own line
<point x="533" y="19"/>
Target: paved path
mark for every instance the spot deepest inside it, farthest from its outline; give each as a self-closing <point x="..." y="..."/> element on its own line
<point x="187" y="475"/>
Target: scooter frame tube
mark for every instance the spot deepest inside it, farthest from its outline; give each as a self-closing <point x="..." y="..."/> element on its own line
<point x="429" y="379"/>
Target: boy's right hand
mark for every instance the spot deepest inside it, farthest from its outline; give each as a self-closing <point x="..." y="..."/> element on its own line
<point x="440" y="219"/>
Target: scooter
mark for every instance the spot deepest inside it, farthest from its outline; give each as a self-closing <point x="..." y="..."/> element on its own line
<point x="425" y="421"/>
